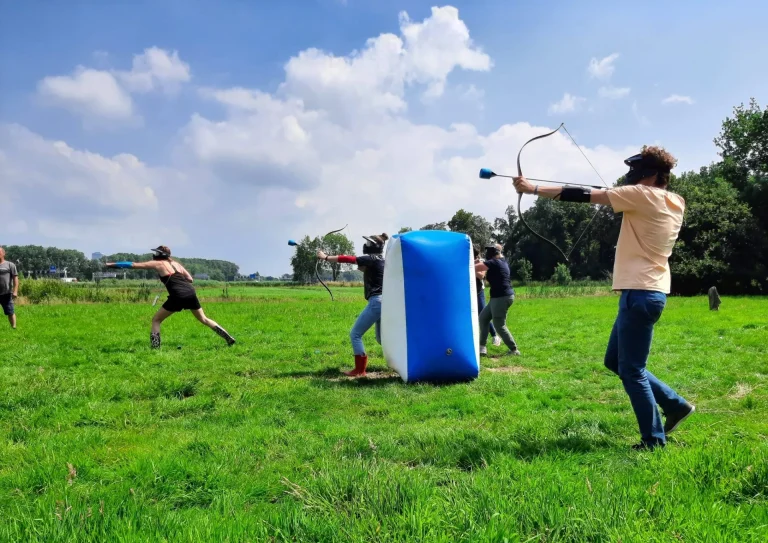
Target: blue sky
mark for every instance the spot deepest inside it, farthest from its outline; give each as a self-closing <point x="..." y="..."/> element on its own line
<point x="214" y="128"/>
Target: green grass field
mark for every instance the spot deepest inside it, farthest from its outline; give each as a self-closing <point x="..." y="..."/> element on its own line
<point x="102" y="439"/>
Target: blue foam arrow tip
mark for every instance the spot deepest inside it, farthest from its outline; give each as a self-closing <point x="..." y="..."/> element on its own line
<point x="486" y="173"/>
<point x="292" y="243"/>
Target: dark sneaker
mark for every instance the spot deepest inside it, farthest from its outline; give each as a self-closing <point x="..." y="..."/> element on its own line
<point x="513" y="353"/>
<point x="673" y="421"/>
<point x="643" y="446"/>
<point x="483" y="350"/>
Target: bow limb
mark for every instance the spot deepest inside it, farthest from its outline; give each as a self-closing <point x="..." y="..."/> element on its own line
<point x="317" y="264"/>
<point x="520" y="195"/>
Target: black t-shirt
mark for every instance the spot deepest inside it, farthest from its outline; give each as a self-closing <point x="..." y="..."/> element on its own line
<point x="498" y="277"/>
<point x="373" y="275"/>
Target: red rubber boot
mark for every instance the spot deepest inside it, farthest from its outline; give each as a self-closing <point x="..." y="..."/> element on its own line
<point x="361" y="362"/>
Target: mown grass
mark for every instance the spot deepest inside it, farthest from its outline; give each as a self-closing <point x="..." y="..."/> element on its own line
<point x="102" y="439"/>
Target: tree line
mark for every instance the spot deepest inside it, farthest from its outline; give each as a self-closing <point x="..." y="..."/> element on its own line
<point x="35" y="261"/>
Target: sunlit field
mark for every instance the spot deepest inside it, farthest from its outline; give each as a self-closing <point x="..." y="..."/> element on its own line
<point x="102" y="439"/>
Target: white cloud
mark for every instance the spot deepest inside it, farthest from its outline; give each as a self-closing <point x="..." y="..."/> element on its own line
<point x="91" y="93"/>
<point x="567" y="104"/>
<point x="101" y="95"/>
<point x="332" y="145"/>
<point x="373" y="81"/>
<point x="472" y="94"/>
<point x="613" y="93"/>
<point x="639" y="117"/>
<point x="155" y="69"/>
<point x="603" y="68"/>
<point x="678" y="99"/>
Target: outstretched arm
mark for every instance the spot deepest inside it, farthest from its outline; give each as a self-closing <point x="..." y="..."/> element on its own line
<point x="597" y="196"/>
<point x="344" y="259"/>
<point x="15" y="286"/>
<point x="151" y="265"/>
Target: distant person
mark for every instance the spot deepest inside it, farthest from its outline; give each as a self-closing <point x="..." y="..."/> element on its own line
<point x="372" y="266"/>
<point x="652" y="220"/>
<point x="479" y="279"/>
<point x="502" y="298"/>
<point x="181" y="293"/>
<point x="9" y="287"/>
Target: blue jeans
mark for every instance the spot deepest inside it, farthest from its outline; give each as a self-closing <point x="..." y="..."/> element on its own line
<point x="481" y="306"/>
<point x="371" y="315"/>
<point x="627" y="355"/>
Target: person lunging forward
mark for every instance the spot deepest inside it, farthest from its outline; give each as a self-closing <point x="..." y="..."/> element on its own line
<point x="181" y="293"/>
<point x="652" y="220"/>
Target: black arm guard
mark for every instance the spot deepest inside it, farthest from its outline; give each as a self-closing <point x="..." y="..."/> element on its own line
<point x="581" y="195"/>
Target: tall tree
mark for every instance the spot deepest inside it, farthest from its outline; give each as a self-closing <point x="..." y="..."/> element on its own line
<point x="743" y="144"/>
<point x="475" y="226"/>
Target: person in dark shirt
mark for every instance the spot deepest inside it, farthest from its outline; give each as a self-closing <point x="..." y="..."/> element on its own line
<point x="372" y="266"/>
<point x="502" y="297"/>
<point x="181" y="293"/>
<point x="480" y="284"/>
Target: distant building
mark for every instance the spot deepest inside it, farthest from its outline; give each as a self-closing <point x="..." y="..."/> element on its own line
<point x="97" y="256"/>
<point x="202" y="276"/>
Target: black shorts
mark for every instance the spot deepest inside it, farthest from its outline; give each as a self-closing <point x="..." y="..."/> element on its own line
<point x="6" y="301"/>
<point x="174" y="304"/>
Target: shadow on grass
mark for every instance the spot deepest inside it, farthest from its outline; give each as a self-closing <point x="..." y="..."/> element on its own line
<point x="375" y="377"/>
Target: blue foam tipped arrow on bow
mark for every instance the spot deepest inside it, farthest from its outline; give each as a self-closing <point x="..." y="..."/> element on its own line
<point x="486" y="173"/>
<point x="292" y="243"/>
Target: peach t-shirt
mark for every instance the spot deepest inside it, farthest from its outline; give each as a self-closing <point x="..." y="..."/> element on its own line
<point x="649" y="229"/>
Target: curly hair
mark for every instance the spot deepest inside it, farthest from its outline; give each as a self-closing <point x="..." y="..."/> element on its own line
<point x="663" y="159"/>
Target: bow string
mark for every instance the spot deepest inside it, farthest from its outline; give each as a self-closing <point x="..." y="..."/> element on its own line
<point x="317" y="263"/>
<point x="565" y="256"/>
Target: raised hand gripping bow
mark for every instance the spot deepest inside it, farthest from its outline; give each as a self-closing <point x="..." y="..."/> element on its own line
<point x="520" y="194"/>
<point x="317" y="264"/>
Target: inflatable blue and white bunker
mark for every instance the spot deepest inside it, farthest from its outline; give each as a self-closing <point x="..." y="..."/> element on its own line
<point x="429" y="321"/>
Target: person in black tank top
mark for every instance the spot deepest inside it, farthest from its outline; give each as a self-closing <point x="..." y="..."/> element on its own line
<point x="181" y="293"/>
<point x="372" y="266"/>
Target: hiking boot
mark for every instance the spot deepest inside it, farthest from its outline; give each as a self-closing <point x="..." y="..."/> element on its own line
<point x="483" y="350"/>
<point x="673" y="421"/>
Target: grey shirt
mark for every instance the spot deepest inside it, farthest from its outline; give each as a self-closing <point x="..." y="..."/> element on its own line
<point x="7" y="273"/>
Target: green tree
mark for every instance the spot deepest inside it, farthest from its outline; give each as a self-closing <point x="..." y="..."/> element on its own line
<point x="720" y="243"/>
<point x="304" y="258"/>
<point x="524" y="270"/>
<point x="743" y="144"/>
<point x="475" y="226"/>
<point x="405" y="230"/>
<point x="337" y="244"/>
<point x="435" y="226"/>
<point x="562" y="275"/>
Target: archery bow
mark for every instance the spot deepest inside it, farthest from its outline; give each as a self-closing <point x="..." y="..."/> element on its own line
<point x="317" y="264"/>
<point x="520" y="194"/>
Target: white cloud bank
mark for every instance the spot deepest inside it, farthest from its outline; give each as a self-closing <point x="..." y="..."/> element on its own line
<point x="332" y="145"/>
